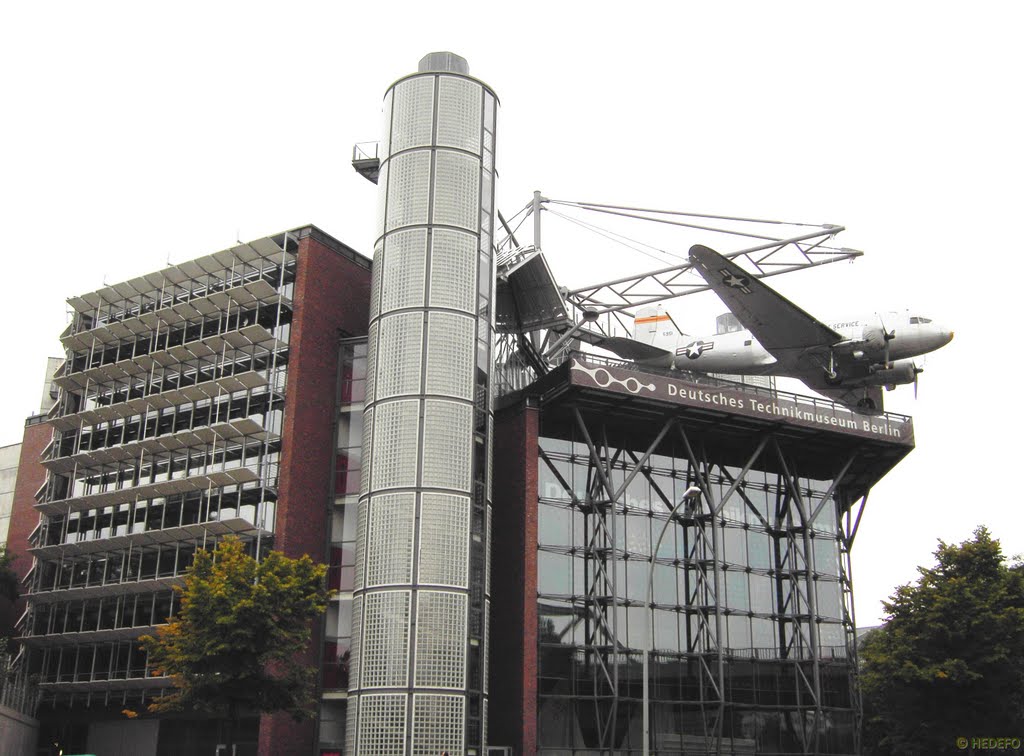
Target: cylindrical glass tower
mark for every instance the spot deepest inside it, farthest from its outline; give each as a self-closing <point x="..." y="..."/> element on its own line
<point x="418" y="668"/>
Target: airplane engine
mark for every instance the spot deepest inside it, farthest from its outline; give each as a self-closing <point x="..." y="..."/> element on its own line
<point x="902" y="371"/>
<point x="876" y="337"/>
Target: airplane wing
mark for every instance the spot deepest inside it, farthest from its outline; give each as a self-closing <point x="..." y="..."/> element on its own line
<point x="782" y="328"/>
<point x="626" y="348"/>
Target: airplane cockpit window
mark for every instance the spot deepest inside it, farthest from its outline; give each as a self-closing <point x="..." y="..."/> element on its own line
<point x="727" y="323"/>
<point x="916" y="320"/>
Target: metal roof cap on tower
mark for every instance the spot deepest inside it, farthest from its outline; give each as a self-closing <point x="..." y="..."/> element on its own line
<point x="444" y="61"/>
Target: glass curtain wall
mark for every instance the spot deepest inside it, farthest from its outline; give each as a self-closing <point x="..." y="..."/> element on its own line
<point x="593" y="569"/>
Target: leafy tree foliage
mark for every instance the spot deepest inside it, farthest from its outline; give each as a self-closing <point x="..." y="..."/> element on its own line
<point x="9" y="587"/>
<point x="9" y="592"/>
<point x="233" y="646"/>
<point x="949" y="661"/>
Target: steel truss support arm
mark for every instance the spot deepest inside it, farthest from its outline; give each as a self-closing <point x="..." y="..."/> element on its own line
<point x="793" y="488"/>
<point x="672" y="281"/>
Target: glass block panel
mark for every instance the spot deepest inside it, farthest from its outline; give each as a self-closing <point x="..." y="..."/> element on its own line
<point x="490" y="111"/>
<point x="357" y="579"/>
<point x="385" y="131"/>
<point x="412" y="120"/>
<point x="375" y="281"/>
<point x="440" y="640"/>
<point x="395" y="442"/>
<point x="456" y="190"/>
<point x="385" y="648"/>
<point x="382" y="197"/>
<point x="350" y="724"/>
<point x="444" y="540"/>
<point x="483" y="735"/>
<point x="399" y="355"/>
<point x="371" y="364"/>
<point x="408" y="189"/>
<point x="364" y="482"/>
<point x="404" y="268"/>
<point x="487" y="555"/>
<point x="490" y="462"/>
<point x="453" y="270"/>
<point x="447" y="444"/>
<point x="357" y="634"/>
<point x="392" y="522"/>
<point x="486" y="652"/>
<point x="487" y="191"/>
<point x="438" y="724"/>
<point x="459" y="113"/>
<point x="382" y="724"/>
<point x="450" y="354"/>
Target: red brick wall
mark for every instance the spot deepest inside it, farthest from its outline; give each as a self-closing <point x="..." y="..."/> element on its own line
<point x="332" y="294"/>
<point x="31" y="475"/>
<point x="513" y="642"/>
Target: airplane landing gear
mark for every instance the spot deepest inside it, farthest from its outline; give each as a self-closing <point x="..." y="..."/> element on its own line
<point x="832" y="378"/>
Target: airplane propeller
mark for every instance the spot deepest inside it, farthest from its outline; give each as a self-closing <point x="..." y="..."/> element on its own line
<point x="917" y="372"/>
<point x="887" y="336"/>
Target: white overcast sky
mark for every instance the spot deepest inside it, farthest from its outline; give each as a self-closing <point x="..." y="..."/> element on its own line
<point x="137" y="133"/>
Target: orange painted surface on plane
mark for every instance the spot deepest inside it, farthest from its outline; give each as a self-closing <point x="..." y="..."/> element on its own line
<point x="655" y="319"/>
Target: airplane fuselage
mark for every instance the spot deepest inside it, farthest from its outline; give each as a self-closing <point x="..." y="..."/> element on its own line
<point x="863" y="342"/>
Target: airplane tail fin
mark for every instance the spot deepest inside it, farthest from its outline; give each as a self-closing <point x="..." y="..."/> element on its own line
<point x="654" y="326"/>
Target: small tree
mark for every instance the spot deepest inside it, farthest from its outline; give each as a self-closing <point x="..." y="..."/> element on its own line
<point x="9" y="592"/>
<point x="234" y="643"/>
<point x="949" y="661"/>
<point x="9" y="584"/>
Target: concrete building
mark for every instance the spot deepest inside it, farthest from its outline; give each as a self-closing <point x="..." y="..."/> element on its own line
<point x="194" y="402"/>
<point x="9" y="457"/>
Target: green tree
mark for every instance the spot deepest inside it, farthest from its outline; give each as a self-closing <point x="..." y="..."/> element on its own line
<point x="234" y="644"/>
<point x="949" y="661"/>
<point x="9" y="592"/>
<point x="9" y="584"/>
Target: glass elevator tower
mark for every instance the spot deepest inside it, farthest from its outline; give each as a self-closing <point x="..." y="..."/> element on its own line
<point x="418" y="667"/>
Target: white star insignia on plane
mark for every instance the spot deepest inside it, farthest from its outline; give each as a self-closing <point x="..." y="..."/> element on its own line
<point x="731" y="280"/>
<point x="695" y="349"/>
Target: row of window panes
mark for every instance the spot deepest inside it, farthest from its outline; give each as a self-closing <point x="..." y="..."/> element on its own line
<point x="337" y="643"/>
<point x="179" y="464"/>
<point x="109" y="613"/>
<point x="195" y="288"/>
<point x="190" y="508"/>
<point x="341" y="568"/>
<point x="569" y="727"/>
<point x="95" y="570"/>
<point x="253" y="404"/>
<point x="353" y="372"/>
<point x="180" y="375"/>
<point x="89" y="663"/>
<point x="760" y="679"/>
<point x="682" y="632"/>
<point x="658" y="493"/>
<point x="660" y="465"/>
<point x="190" y="331"/>
<point x="349" y="455"/>
<point x="561" y="575"/>
<point x="564" y="528"/>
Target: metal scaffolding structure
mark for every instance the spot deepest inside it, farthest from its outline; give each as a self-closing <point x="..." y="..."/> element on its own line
<point x="167" y="437"/>
<point x="538" y="321"/>
<point x="705" y="673"/>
